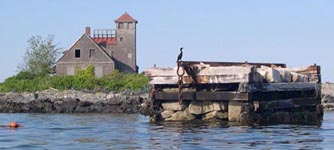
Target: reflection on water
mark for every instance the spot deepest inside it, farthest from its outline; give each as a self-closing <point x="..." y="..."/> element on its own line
<point x="120" y="131"/>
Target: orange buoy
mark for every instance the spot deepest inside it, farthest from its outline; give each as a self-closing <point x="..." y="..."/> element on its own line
<point x="13" y="124"/>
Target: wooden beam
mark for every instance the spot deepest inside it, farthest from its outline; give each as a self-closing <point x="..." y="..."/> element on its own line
<point x="306" y="101"/>
<point x="276" y="87"/>
<point x="213" y="96"/>
<point x="269" y="96"/>
<point x="292" y="103"/>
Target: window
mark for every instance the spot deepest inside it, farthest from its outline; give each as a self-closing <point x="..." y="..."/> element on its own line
<point x="129" y="55"/>
<point x="121" y="39"/>
<point x="129" y="25"/>
<point x="91" y="52"/>
<point x="120" y="25"/>
<point x="77" y="53"/>
<point x="103" y="44"/>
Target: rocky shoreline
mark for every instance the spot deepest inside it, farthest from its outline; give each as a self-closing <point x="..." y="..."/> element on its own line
<point x="327" y="93"/>
<point x="71" y="101"/>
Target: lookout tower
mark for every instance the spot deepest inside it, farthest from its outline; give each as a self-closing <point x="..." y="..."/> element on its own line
<point x="126" y="43"/>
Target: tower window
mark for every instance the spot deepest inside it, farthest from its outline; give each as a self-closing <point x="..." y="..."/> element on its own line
<point x="129" y="25"/>
<point x="120" y="25"/>
<point x="121" y="39"/>
<point x="77" y="53"/>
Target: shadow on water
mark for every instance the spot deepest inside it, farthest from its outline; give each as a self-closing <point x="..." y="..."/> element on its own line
<point x="213" y="135"/>
<point x="194" y="124"/>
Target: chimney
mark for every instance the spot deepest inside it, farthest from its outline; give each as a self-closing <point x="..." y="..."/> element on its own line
<point x="88" y="31"/>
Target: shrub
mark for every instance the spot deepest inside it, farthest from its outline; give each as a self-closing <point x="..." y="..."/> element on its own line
<point x="84" y="79"/>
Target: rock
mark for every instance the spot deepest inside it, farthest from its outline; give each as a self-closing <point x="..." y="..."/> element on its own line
<point x="70" y="101"/>
<point x="327" y="99"/>
<point x="248" y="118"/>
<point x="145" y="109"/>
<point x="166" y="114"/>
<point x="221" y="115"/>
<point x="84" y="103"/>
<point x="202" y="107"/>
<point x="177" y="116"/>
<point x="181" y="116"/>
<point x="328" y="106"/>
<point x="195" y="107"/>
<point x="215" y="115"/>
<point x="286" y="76"/>
<point x="234" y="110"/>
<point x="327" y="89"/>
<point x="188" y="115"/>
<point x="80" y="109"/>
<point x="271" y="75"/>
<point x="209" y="106"/>
<point x="173" y="106"/>
<point x="97" y="107"/>
<point x="296" y="77"/>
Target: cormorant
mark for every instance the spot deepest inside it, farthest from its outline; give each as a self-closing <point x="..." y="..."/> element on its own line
<point x="180" y="55"/>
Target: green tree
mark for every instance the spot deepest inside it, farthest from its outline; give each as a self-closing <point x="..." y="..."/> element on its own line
<point x="40" y="56"/>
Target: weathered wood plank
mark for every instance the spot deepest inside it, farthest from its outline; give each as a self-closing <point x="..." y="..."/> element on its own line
<point x="205" y="75"/>
<point x="161" y="72"/>
<point x="272" y="87"/>
<point x="215" y="79"/>
<point x="214" y="64"/>
<point x="216" y="96"/>
<point x="163" y="80"/>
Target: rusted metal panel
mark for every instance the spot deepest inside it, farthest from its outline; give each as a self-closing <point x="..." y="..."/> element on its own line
<point x="216" y="96"/>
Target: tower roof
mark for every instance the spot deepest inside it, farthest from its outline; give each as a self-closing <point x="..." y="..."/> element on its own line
<point x="126" y="18"/>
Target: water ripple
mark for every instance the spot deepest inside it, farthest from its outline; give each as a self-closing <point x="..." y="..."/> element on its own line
<point x="121" y="131"/>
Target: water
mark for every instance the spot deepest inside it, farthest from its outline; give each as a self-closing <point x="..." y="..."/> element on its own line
<point x="121" y="131"/>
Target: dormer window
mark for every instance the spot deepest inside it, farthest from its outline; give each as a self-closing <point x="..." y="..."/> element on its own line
<point x="77" y="53"/>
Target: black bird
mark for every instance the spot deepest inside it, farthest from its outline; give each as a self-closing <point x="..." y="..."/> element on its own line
<point x="180" y="55"/>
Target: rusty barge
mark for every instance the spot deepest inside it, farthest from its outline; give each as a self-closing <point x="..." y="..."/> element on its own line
<point x="240" y="92"/>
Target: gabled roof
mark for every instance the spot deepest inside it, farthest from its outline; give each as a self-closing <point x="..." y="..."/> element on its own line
<point x="93" y="42"/>
<point x="126" y="18"/>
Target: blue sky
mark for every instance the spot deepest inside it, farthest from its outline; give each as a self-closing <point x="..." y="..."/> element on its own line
<point x="298" y="32"/>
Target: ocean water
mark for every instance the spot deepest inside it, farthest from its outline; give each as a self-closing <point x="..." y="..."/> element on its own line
<point x="124" y="131"/>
